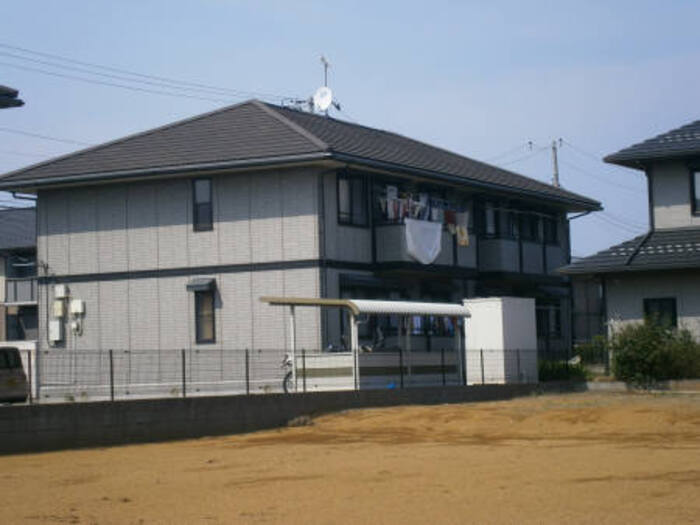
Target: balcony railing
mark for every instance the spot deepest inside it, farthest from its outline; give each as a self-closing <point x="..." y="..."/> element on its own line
<point x="20" y="290"/>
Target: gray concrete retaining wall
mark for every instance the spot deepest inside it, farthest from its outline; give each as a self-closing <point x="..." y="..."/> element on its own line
<point x="37" y="428"/>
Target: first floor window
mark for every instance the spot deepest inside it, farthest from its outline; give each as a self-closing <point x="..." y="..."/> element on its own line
<point x="661" y="310"/>
<point x="204" y="316"/>
<point x="548" y="317"/>
<point x="22" y="323"/>
<point x="352" y="200"/>
<point x="202" y="213"/>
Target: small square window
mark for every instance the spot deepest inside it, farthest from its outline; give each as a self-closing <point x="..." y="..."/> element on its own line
<point x="662" y="311"/>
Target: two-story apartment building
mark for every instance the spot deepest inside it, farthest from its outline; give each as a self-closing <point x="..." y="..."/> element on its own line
<point x="18" y="286"/>
<point x="658" y="273"/>
<point x="167" y="239"/>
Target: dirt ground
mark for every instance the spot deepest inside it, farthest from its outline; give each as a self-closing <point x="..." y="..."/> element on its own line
<point x="578" y="458"/>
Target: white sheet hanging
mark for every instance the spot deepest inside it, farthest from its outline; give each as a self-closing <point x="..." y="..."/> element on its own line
<point x="423" y="240"/>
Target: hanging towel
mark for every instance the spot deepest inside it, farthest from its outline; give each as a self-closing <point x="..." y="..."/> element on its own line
<point x="423" y="240"/>
<point x="463" y="228"/>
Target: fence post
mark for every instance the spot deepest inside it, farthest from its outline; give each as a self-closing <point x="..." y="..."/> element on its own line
<point x="442" y="365"/>
<point x="184" y="377"/>
<point x="401" y="365"/>
<point x="303" y="366"/>
<point x="111" y="375"/>
<point x="29" y="376"/>
<point x="520" y="377"/>
<point x="483" y="378"/>
<point x="247" y="372"/>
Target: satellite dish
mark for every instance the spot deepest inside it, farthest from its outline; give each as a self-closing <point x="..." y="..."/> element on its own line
<point x="323" y="98"/>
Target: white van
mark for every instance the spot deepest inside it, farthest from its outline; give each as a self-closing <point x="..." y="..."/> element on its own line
<point x="13" y="381"/>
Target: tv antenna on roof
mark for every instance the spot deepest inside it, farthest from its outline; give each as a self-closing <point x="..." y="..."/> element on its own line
<point x="323" y="98"/>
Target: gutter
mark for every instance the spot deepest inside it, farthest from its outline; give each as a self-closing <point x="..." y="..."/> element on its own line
<point x="388" y="166"/>
<point x="286" y="159"/>
<point x="168" y="170"/>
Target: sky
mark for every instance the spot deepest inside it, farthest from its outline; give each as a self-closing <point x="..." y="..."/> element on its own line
<point x="483" y="79"/>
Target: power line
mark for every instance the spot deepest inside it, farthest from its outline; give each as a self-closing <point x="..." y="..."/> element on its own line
<point x="515" y="149"/>
<point x="25" y="154"/>
<point x="602" y="179"/>
<point x="526" y="157"/>
<point x="176" y="83"/>
<point x="592" y="156"/>
<point x="607" y="220"/>
<point x="112" y="84"/>
<point x="44" y="137"/>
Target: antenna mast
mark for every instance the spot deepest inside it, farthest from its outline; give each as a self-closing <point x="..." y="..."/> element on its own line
<point x="326" y="65"/>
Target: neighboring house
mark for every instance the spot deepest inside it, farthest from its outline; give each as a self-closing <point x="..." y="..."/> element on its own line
<point x="18" y="286"/>
<point x="658" y="273"/>
<point x="171" y="236"/>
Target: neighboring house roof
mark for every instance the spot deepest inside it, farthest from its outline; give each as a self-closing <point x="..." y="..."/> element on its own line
<point x="18" y="228"/>
<point x="677" y="248"/>
<point x="256" y="134"/>
<point x="677" y="143"/>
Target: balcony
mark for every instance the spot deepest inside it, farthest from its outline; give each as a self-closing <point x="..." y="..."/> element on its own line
<point x="391" y="247"/>
<point x="20" y="290"/>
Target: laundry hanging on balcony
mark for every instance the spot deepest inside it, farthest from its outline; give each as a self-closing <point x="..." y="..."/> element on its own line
<point x="423" y="240"/>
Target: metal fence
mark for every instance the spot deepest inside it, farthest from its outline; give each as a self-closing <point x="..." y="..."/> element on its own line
<point x="99" y="375"/>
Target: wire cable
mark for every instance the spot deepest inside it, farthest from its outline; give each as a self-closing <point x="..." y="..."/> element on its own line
<point x="599" y="178"/>
<point x="526" y="157"/>
<point x="175" y="82"/>
<point x="44" y="137"/>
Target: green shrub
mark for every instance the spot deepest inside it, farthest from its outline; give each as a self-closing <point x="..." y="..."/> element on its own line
<point x="595" y="352"/>
<point x="649" y="352"/>
<point x="561" y="371"/>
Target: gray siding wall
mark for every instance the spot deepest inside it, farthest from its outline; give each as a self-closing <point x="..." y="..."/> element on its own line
<point x="670" y="186"/>
<point x="532" y="257"/>
<point x="258" y="217"/>
<point x="625" y="296"/>
<point x="498" y="255"/>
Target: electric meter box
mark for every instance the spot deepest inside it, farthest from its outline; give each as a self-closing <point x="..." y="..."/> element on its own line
<point x="77" y="307"/>
<point x="501" y="340"/>
<point x="58" y="308"/>
<point x="60" y="291"/>
<point x="55" y="330"/>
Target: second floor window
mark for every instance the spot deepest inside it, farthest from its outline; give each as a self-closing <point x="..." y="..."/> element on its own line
<point x="695" y="197"/>
<point x="352" y="200"/>
<point x="529" y="227"/>
<point x="202" y="214"/>
<point x="551" y="233"/>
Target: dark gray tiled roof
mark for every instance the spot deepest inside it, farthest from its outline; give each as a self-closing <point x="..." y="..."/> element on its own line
<point x="676" y="248"/>
<point x="677" y="143"/>
<point x="18" y="228"/>
<point x="255" y="130"/>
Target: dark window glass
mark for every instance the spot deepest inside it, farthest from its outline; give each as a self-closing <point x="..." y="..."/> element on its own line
<point x="551" y="233"/>
<point x="22" y="323"/>
<point x="204" y="316"/>
<point x="203" y="211"/>
<point x="529" y="227"/>
<point x="661" y="311"/>
<point x="352" y="200"/>
<point x="696" y="192"/>
<point x="548" y="318"/>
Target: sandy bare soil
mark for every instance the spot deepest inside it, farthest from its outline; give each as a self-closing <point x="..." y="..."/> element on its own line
<point x="578" y="459"/>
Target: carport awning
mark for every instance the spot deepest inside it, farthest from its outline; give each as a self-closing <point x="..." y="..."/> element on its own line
<point x="371" y="306"/>
<point x="201" y="284"/>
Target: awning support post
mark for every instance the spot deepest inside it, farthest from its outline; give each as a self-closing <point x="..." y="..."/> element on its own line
<point x="354" y="348"/>
<point x="293" y="344"/>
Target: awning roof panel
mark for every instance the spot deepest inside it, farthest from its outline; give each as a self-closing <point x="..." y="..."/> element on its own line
<point x="374" y="307"/>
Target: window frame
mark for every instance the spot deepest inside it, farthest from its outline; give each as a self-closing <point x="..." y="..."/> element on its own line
<point x="554" y="225"/>
<point x="529" y="219"/>
<point x="694" y="208"/>
<point x="198" y="327"/>
<point x="345" y="175"/>
<point x="197" y="224"/>
<point x="674" y="311"/>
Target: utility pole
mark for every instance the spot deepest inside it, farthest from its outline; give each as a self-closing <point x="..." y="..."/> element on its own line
<point x="555" y="162"/>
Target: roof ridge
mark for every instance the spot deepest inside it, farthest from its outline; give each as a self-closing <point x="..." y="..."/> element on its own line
<point x="268" y="108"/>
<point x="127" y="137"/>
